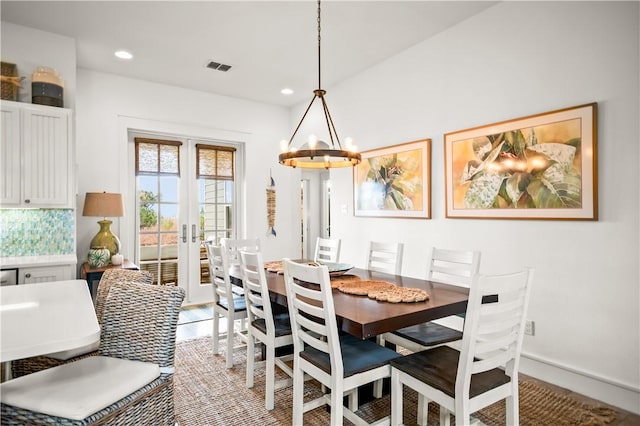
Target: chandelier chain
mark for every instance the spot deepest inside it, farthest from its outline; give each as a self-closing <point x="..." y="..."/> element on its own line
<point x="319" y="56"/>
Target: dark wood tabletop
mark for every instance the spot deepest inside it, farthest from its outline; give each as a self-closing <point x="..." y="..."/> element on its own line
<point x="364" y="317"/>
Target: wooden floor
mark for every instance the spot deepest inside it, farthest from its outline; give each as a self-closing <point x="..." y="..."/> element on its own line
<point x="624" y="418"/>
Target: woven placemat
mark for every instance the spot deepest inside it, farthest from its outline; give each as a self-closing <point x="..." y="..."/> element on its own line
<point x="340" y="280"/>
<point x="275" y="266"/>
<point x="207" y="393"/>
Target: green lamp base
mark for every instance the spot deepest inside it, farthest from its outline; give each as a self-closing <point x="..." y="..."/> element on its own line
<point x="104" y="238"/>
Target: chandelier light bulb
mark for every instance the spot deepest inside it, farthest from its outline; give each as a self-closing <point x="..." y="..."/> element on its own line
<point x="313" y="141"/>
<point x="350" y="146"/>
<point x="284" y="145"/>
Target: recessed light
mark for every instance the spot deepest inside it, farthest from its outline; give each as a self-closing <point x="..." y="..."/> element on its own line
<point x="123" y="54"/>
<point x="286" y="91"/>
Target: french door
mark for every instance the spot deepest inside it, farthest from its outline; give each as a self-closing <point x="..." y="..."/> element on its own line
<point x="186" y="193"/>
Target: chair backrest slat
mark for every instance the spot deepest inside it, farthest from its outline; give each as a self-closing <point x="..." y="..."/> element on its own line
<point x="452" y="266"/>
<point x="494" y="331"/>
<point x="231" y="247"/>
<point x="385" y="257"/>
<point x="327" y="250"/>
<point x="256" y="291"/>
<point x="218" y="272"/>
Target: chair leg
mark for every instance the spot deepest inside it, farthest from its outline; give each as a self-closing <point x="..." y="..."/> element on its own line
<point x="298" y="391"/>
<point x="337" y="409"/>
<point x="512" y="409"/>
<point x="377" y="388"/>
<point x="353" y="400"/>
<point x="463" y="415"/>
<point x="423" y="410"/>
<point x="230" y="335"/>
<point x="251" y="360"/>
<point x="216" y="332"/>
<point x="378" y="384"/>
<point x="445" y="417"/>
<point x="271" y="378"/>
<point x="396" y="398"/>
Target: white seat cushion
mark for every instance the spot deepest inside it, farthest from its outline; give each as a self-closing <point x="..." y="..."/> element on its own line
<point x="72" y="353"/>
<point x="78" y="389"/>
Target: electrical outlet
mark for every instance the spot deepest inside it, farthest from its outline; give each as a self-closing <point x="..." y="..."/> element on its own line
<point x="530" y="328"/>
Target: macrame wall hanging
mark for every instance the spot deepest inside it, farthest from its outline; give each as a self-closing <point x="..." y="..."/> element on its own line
<point x="271" y="206"/>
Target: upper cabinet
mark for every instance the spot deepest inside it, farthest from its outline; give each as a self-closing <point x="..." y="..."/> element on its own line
<point x="36" y="155"/>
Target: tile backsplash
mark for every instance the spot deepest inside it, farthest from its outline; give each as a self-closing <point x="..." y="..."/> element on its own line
<point x="35" y="232"/>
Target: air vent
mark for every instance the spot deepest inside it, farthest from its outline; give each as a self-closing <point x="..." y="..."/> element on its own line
<point x="218" y="66"/>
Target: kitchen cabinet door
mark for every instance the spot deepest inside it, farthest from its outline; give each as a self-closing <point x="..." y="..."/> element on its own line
<point x="10" y="187"/>
<point x="45" y="274"/>
<point x="44" y="170"/>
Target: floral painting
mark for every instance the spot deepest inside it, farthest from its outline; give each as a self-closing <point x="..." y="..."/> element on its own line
<point x="394" y="181"/>
<point x="538" y="167"/>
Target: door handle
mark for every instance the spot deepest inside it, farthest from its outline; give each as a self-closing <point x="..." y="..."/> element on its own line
<point x="184" y="233"/>
<point x="193" y="233"/>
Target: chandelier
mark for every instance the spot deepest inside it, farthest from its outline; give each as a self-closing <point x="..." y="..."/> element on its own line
<point x="317" y="154"/>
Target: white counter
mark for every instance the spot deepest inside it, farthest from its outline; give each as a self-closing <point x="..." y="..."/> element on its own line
<point x="29" y="261"/>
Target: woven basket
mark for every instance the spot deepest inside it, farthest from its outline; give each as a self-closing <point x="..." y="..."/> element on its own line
<point x="9" y="90"/>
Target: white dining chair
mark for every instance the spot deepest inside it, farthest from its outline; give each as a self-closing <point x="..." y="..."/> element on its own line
<point x="273" y="331"/>
<point x="226" y="303"/>
<point x="327" y="250"/>
<point x="385" y="257"/>
<point x="341" y="363"/>
<point x="231" y="248"/>
<point x="485" y="369"/>
<point x="455" y="267"/>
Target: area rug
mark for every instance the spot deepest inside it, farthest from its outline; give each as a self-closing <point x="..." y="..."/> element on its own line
<point x="207" y="393"/>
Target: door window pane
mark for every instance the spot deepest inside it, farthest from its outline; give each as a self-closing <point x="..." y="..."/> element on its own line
<point x="158" y="176"/>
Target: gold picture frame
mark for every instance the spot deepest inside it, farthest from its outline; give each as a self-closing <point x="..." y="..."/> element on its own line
<point x="542" y="166"/>
<point x="394" y="181"/>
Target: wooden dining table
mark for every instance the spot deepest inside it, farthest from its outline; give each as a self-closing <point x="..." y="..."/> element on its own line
<point x="364" y="317"/>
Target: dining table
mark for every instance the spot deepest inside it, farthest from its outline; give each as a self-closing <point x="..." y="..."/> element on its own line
<point x="364" y="317"/>
<point x="43" y="318"/>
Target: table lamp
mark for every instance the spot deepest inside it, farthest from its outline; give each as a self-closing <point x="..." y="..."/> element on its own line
<point x="104" y="204"/>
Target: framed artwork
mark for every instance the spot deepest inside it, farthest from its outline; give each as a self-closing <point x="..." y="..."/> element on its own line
<point x="394" y="181"/>
<point x="538" y="167"/>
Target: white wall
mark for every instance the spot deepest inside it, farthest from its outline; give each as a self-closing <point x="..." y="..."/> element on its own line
<point x="29" y="48"/>
<point x="517" y="59"/>
<point x="105" y="102"/>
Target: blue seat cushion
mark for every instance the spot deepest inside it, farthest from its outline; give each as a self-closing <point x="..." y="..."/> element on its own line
<point x="357" y="355"/>
<point x="239" y="303"/>
<point x="438" y="367"/>
<point x="281" y="322"/>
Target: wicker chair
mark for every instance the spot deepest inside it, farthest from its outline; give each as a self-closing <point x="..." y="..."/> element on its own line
<point x="31" y="365"/>
<point x="129" y="335"/>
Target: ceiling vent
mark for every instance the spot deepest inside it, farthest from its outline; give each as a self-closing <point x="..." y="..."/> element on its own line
<point x="218" y="66"/>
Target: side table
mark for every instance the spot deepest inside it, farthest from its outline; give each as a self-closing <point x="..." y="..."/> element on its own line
<point x="94" y="274"/>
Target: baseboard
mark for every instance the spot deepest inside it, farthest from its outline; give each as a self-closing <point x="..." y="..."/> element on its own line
<point x="621" y="395"/>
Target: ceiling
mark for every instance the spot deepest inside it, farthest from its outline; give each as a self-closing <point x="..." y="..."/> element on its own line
<point x="269" y="44"/>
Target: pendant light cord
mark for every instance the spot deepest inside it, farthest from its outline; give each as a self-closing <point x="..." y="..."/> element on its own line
<point x="319" y="56"/>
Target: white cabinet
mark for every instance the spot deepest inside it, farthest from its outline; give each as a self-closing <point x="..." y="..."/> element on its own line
<point x="36" y="156"/>
<point x="45" y="274"/>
